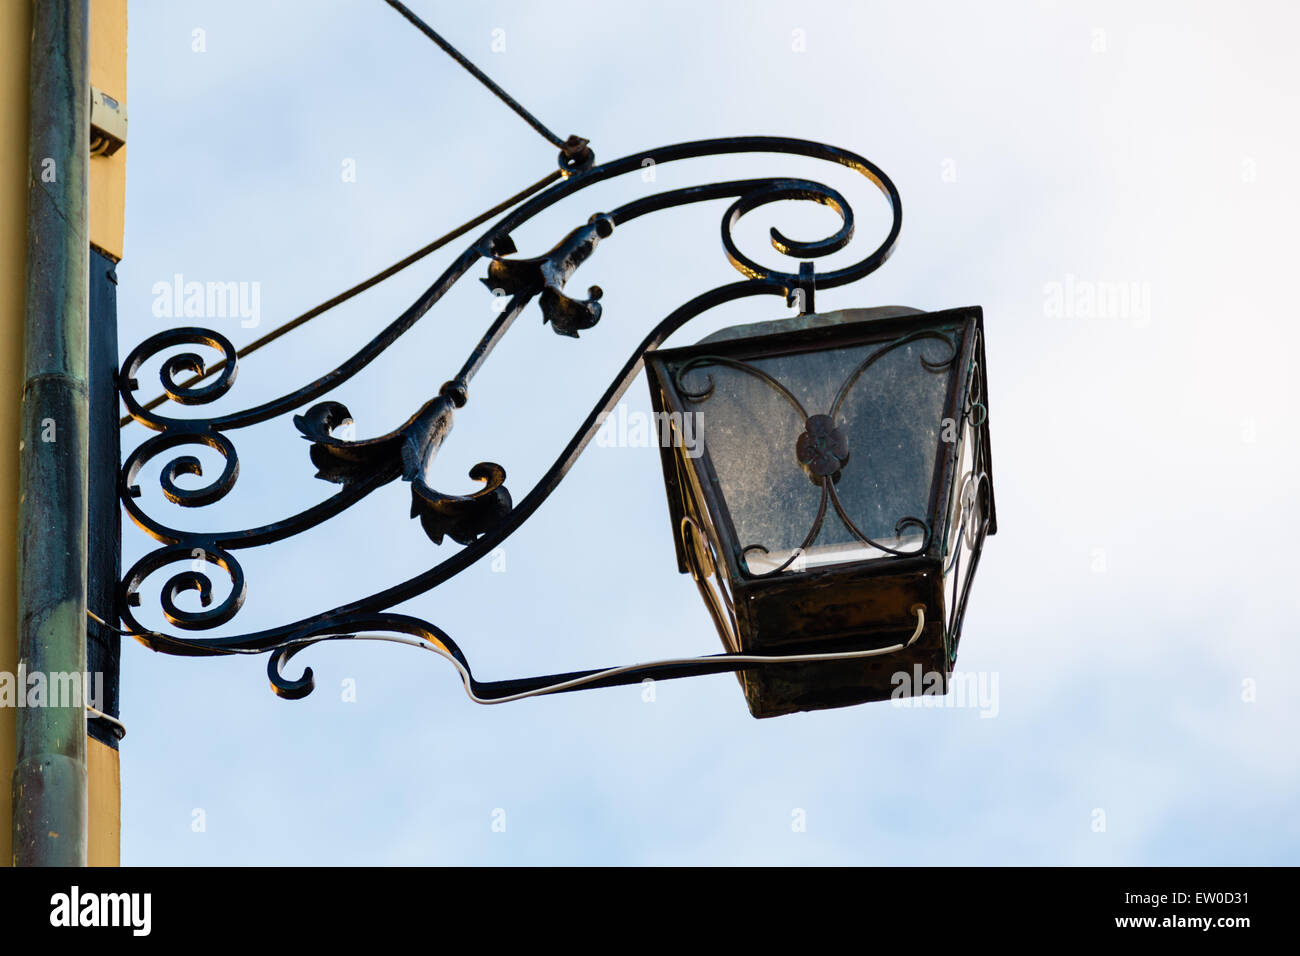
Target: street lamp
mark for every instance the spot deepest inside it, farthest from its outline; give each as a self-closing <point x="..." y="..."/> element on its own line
<point x="828" y="475"/>
<point x="833" y="513"/>
<point x="838" y="478"/>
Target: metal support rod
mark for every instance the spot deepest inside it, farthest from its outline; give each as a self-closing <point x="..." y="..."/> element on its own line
<point x="495" y="333"/>
<point x="479" y="75"/>
<point x="49" y="781"/>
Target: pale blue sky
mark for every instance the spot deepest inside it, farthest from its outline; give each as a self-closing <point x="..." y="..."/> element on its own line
<point x="1144" y="463"/>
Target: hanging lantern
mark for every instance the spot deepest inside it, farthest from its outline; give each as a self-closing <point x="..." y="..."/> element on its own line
<point x="829" y="483"/>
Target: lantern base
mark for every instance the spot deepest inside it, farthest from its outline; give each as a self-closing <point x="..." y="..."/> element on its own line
<point x="775" y="690"/>
<point x="841" y="609"/>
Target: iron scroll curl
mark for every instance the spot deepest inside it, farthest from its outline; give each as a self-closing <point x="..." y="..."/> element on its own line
<point x="478" y="521"/>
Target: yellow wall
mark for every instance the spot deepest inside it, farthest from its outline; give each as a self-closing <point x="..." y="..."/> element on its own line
<point x="103" y="772"/>
<point x="108" y="173"/>
<point x="107" y="207"/>
<point x="107" y="200"/>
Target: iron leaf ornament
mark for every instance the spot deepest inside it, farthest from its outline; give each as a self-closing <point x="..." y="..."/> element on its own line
<point x="546" y="275"/>
<point x="409" y="452"/>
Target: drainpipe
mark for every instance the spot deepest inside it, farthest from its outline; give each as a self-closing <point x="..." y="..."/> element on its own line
<point x="49" y="782"/>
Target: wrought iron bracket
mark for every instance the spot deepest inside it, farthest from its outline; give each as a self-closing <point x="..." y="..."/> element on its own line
<point x="482" y="519"/>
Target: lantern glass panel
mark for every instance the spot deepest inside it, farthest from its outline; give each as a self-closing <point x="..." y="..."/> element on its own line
<point x="883" y="409"/>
